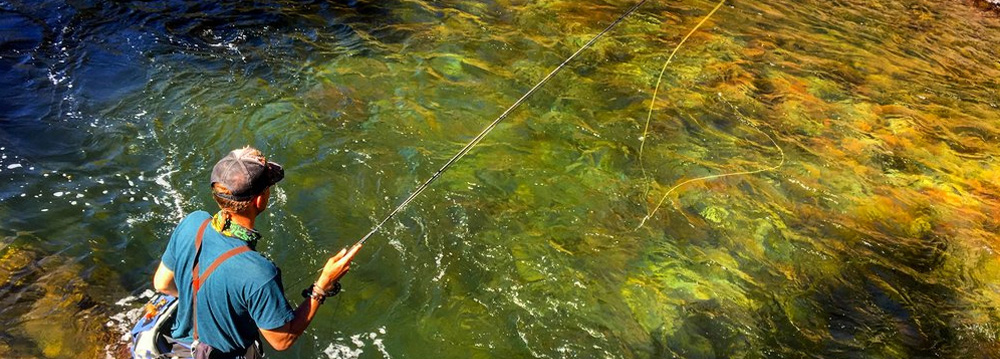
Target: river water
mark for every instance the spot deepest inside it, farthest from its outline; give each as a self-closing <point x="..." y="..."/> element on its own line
<point x="876" y="236"/>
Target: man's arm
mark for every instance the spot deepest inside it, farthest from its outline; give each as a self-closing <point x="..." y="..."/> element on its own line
<point x="283" y="337"/>
<point x="163" y="280"/>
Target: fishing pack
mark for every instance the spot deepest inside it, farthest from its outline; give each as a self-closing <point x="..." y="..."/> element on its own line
<point x="149" y="339"/>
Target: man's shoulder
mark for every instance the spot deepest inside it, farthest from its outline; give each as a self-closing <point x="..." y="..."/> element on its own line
<point x="258" y="260"/>
<point x="254" y="266"/>
<point x="252" y="271"/>
<point x="185" y="232"/>
<point x="192" y="222"/>
<point x="194" y="219"/>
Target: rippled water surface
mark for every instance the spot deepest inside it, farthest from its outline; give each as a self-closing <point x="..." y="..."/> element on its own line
<point x="875" y="238"/>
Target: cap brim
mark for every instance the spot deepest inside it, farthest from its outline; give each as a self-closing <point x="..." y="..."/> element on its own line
<point x="275" y="173"/>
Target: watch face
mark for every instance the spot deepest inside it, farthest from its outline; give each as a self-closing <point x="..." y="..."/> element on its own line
<point x="335" y="290"/>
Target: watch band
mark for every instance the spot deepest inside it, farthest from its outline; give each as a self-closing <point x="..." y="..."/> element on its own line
<point x="315" y="293"/>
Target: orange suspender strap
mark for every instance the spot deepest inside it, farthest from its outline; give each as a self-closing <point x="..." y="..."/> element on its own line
<point x="197" y="281"/>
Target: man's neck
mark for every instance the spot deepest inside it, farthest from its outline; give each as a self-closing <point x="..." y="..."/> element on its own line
<point x="246" y="222"/>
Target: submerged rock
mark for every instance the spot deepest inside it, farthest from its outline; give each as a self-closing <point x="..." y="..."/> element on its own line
<point x="988" y="4"/>
<point x="50" y="311"/>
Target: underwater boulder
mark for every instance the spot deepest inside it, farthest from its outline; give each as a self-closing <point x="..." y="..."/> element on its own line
<point x="50" y="312"/>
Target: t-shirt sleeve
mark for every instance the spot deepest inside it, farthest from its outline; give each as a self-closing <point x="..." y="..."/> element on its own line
<point x="268" y="306"/>
<point x="170" y="255"/>
<point x="169" y="258"/>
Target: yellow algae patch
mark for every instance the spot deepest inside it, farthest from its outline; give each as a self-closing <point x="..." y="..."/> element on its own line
<point x="11" y="262"/>
<point x="715" y="214"/>
<point x="559" y="247"/>
<point x="854" y="147"/>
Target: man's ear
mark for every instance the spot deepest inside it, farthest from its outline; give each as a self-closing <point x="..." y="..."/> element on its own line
<point x="260" y="201"/>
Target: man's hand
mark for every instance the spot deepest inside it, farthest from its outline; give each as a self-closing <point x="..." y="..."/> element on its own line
<point x="336" y="267"/>
<point x="283" y="337"/>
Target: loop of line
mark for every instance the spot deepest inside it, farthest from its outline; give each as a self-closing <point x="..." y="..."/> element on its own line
<point x="649" y="115"/>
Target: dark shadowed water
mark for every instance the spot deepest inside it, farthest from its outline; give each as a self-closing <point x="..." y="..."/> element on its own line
<point x="876" y="238"/>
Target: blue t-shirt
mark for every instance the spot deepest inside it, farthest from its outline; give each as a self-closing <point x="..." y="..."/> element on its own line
<point x="243" y="294"/>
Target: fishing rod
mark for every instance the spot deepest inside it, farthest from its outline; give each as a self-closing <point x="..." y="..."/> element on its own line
<point x="475" y="141"/>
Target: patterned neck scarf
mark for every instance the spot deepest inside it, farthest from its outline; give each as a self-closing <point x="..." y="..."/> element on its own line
<point x="224" y="225"/>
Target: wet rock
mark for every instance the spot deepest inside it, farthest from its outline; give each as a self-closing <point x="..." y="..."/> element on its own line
<point x="991" y="5"/>
<point x="526" y="268"/>
<point x="449" y="67"/>
<point x="502" y="181"/>
<point x="12" y="262"/>
<point x="337" y="101"/>
<point x="62" y="301"/>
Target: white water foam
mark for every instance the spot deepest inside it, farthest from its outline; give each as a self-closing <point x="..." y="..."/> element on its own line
<point x="340" y="351"/>
<point x="163" y="179"/>
<point x="122" y="321"/>
<point x="352" y="350"/>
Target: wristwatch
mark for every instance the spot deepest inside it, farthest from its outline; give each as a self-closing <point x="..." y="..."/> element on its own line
<point x="313" y="292"/>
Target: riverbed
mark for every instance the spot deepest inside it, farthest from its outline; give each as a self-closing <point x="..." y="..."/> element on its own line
<point x="868" y="227"/>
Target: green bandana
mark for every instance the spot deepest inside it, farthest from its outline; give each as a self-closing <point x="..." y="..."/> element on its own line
<point x="225" y="226"/>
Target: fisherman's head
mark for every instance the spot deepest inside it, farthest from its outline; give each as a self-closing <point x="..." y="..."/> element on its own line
<point x="242" y="180"/>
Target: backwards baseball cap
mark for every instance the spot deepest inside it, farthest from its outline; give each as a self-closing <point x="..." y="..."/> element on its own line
<point x="245" y="173"/>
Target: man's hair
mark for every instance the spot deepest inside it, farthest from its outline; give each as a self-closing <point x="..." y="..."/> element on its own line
<point x="228" y="204"/>
<point x="239" y="207"/>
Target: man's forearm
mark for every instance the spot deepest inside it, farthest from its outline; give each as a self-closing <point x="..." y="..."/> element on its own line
<point x="283" y="337"/>
<point x="335" y="268"/>
<point x="303" y="316"/>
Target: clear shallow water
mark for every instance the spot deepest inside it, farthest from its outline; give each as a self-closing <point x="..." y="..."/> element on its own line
<point x="875" y="238"/>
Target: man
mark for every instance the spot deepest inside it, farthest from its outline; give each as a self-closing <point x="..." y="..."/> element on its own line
<point x="238" y="296"/>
